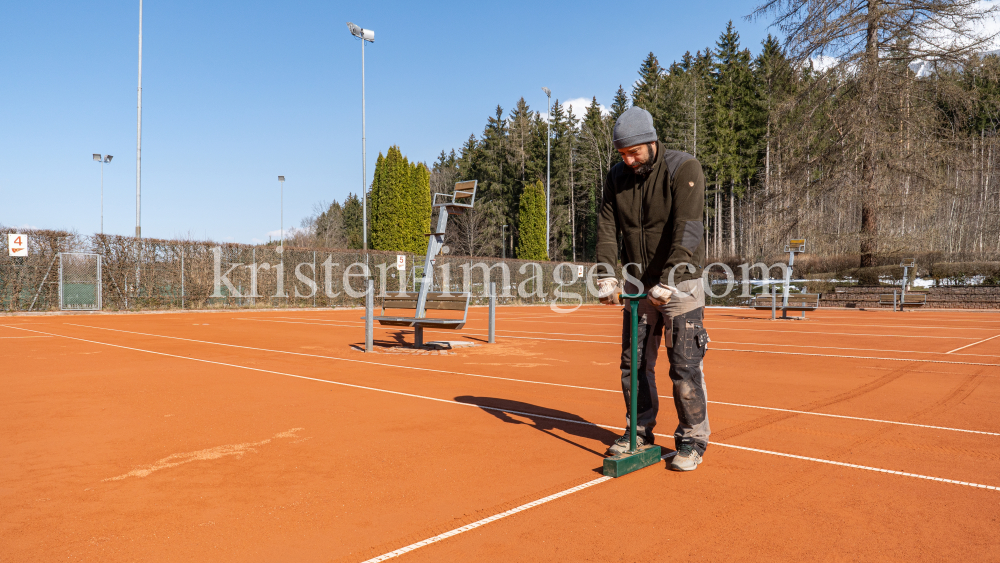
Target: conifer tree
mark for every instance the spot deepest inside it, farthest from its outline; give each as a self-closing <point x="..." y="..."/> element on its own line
<point x="732" y="145"/>
<point x="531" y="223"/>
<point x="352" y="221"/>
<point x="418" y="210"/>
<point x="329" y="227"/>
<point x="619" y="105"/>
<point x="647" y="91"/>
<point x="390" y="204"/>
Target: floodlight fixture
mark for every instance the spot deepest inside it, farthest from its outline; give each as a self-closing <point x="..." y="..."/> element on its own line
<point x="97" y="157"/>
<point x="107" y="158"/>
<point x="361" y="33"/>
<point x="281" y="178"/>
<point x="547" y="91"/>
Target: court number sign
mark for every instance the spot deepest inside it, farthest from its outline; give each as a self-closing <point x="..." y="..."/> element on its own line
<point x="400" y="262"/>
<point x="579" y="271"/>
<point x="17" y="244"/>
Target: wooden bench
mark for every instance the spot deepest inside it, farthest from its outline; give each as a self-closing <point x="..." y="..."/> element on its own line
<point x="888" y="299"/>
<point x="796" y="302"/>
<point x="436" y="301"/>
<point x="802" y="302"/>
<point x="913" y="300"/>
<point x="765" y="301"/>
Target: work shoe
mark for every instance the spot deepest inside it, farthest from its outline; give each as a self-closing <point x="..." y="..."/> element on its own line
<point x="687" y="458"/>
<point x="621" y="444"/>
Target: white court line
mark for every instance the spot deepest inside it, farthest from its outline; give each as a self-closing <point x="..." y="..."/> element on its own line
<point x="857" y="349"/>
<point x="973" y="344"/>
<point x="858" y="357"/>
<point x="821" y="324"/>
<point x="618" y="343"/>
<point x="25" y="337"/>
<point x="539" y="382"/>
<point x="397" y="328"/>
<point x="523" y="507"/>
<point x="617" y="338"/>
<point x="435" y="399"/>
<point x="484" y="521"/>
<point x="361" y="323"/>
<point x="823" y="333"/>
<point x="855" y="466"/>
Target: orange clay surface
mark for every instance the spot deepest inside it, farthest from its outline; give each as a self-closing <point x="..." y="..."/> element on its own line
<point x="269" y="436"/>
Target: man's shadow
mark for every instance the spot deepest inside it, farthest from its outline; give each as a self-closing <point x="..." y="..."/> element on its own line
<point x="543" y="419"/>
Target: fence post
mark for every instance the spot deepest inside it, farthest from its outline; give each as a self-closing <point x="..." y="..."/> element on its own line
<point x="369" y="305"/>
<point x="316" y="287"/>
<point x="60" y="282"/>
<point x="493" y="313"/>
<point x="100" y="283"/>
<point x="182" y="278"/>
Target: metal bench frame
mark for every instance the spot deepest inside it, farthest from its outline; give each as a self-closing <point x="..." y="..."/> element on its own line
<point x="395" y="301"/>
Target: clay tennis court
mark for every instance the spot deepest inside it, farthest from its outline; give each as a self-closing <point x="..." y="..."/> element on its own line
<point x="268" y="436"/>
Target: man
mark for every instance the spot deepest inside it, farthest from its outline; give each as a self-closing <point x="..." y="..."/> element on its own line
<point x="654" y="202"/>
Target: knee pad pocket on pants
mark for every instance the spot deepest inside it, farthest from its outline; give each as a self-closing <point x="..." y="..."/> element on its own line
<point x="690" y="339"/>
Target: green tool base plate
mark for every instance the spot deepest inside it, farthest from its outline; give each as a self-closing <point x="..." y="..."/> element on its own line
<point x="626" y="463"/>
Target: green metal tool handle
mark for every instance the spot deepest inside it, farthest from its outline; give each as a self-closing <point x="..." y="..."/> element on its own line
<point x="634" y="366"/>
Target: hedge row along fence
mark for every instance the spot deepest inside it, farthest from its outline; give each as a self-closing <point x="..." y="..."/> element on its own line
<point x="151" y="274"/>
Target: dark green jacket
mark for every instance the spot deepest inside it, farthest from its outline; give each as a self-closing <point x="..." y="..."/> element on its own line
<point x="659" y="217"/>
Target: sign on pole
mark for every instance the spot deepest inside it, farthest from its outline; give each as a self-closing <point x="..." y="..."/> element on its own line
<point x="400" y="262"/>
<point x="579" y="271"/>
<point x="17" y="244"/>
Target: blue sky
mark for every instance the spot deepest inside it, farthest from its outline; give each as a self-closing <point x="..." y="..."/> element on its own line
<point x="236" y="93"/>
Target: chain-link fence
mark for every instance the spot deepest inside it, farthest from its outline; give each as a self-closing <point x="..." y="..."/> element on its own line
<point x="79" y="281"/>
<point x="175" y="274"/>
<point x="179" y="274"/>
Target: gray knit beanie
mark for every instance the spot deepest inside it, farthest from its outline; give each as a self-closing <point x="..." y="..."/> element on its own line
<point x="634" y="127"/>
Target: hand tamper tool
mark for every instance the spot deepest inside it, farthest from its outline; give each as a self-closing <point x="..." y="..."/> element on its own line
<point x="635" y="458"/>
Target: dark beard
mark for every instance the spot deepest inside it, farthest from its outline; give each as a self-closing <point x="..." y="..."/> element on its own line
<point x="643" y="169"/>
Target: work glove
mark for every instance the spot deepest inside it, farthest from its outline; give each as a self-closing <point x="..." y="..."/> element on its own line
<point x="660" y="294"/>
<point x="607" y="291"/>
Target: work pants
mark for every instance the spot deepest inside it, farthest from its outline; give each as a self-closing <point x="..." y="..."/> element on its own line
<point x="681" y="320"/>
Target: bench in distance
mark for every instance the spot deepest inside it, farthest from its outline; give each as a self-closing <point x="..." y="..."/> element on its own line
<point x="436" y="301"/>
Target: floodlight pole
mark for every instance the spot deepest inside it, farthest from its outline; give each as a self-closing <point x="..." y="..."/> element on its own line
<point x="369" y="36"/>
<point x="105" y="160"/>
<point x="138" y="143"/>
<point x="364" y="159"/>
<point x="100" y="160"/>
<point x="548" y="168"/>
<point x="281" y="180"/>
<point x="138" y="161"/>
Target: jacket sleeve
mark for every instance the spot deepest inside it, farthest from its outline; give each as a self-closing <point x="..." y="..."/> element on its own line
<point x="607" y="229"/>
<point x="688" y="207"/>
